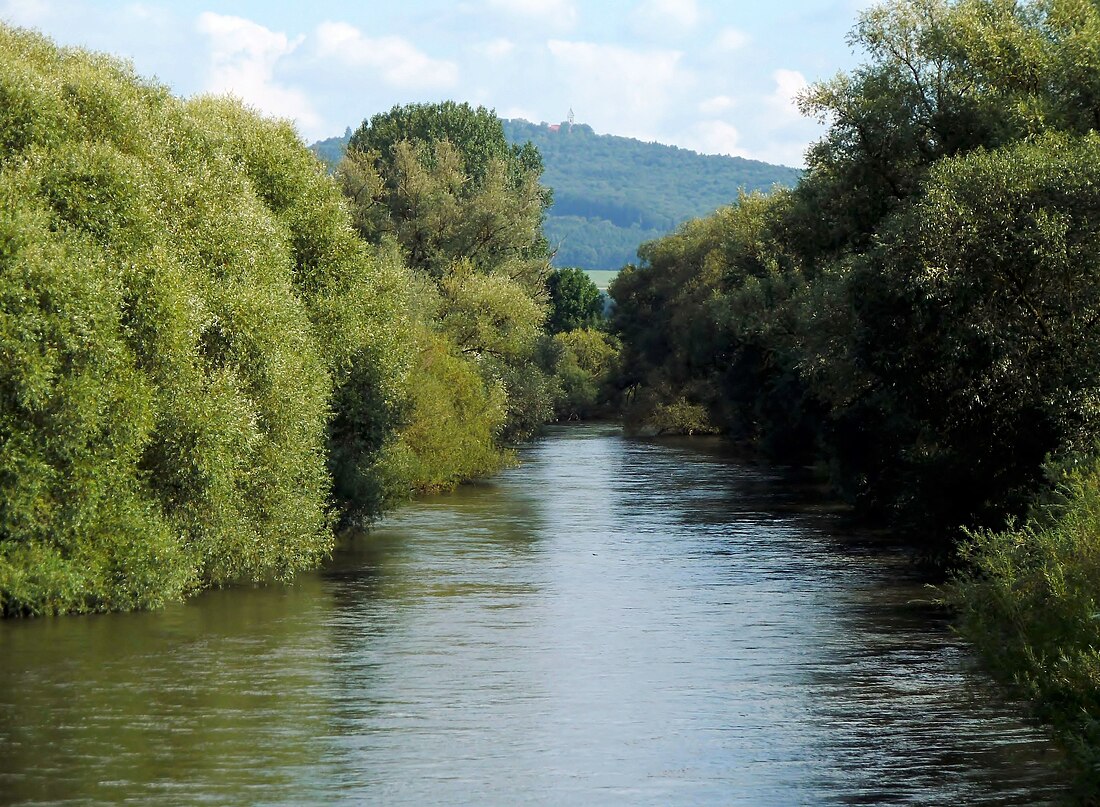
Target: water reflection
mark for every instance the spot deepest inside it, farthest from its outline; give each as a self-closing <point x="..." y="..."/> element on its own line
<point x="613" y="622"/>
<point x="225" y="696"/>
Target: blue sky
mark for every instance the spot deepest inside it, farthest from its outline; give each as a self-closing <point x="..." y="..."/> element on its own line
<point x="715" y="77"/>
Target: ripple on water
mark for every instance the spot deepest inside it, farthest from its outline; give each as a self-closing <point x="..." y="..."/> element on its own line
<point x="614" y="621"/>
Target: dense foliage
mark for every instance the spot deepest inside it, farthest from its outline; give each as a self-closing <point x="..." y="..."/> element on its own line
<point x="575" y="301"/>
<point x="184" y="306"/>
<point x="580" y="355"/>
<point x="464" y="209"/>
<point x="613" y="193"/>
<point x="585" y="363"/>
<point x="920" y="314"/>
<point x="922" y="304"/>
<point x="208" y="363"/>
<point x="1028" y="600"/>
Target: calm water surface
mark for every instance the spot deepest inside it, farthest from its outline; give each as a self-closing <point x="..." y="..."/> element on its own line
<point x="612" y="622"/>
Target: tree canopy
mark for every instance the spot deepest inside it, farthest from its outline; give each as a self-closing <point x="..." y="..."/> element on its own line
<point x="575" y="301"/>
<point x="918" y="306"/>
<point x="476" y="132"/>
<point x="464" y="208"/>
<point x="185" y="306"/>
<point x="610" y="193"/>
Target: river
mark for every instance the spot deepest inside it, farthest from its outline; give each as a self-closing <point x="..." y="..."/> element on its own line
<point x="613" y="621"/>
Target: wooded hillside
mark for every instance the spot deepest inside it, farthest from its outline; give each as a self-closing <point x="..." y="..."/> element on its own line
<point x="612" y="193"/>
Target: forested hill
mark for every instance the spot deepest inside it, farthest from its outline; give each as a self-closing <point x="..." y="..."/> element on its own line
<point x="612" y="193"/>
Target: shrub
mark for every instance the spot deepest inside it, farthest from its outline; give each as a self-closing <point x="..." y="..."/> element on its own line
<point x="1028" y="600"/>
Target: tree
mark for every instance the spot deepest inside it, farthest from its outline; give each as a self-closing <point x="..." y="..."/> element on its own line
<point x="918" y="307"/>
<point x="465" y="208"/>
<point x="477" y="133"/>
<point x="575" y="301"/>
<point x="586" y="361"/>
<point x="445" y="182"/>
<point x="979" y="319"/>
<point x="184" y="304"/>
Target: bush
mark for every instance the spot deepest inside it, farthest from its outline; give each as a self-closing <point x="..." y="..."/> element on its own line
<point x="586" y="362"/>
<point x="455" y="420"/>
<point x="1028" y="600"/>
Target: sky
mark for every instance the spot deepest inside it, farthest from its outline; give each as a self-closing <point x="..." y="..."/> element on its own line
<point x="715" y="77"/>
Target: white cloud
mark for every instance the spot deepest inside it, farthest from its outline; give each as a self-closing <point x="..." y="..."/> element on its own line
<point x="788" y="85"/>
<point x="559" y="13"/>
<point x="523" y="113"/>
<point x="238" y="42"/>
<point x="243" y="58"/>
<point x="732" y="39"/>
<point x="26" y="12"/>
<point x="496" y="49"/>
<point x="147" y="13"/>
<point x="397" y="60"/>
<point x="714" y="137"/>
<point x="661" y="14"/>
<point x="789" y="151"/>
<point x="719" y="103"/>
<point x="781" y="132"/>
<point x="620" y="90"/>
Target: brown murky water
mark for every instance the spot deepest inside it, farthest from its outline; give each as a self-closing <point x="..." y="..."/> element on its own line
<point x="612" y="622"/>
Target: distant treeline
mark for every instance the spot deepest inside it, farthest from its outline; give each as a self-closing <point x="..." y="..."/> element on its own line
<point x="920" y="316"/>
<point x="611" y="193"/>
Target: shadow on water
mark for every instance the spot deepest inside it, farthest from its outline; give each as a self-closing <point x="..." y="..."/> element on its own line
<point x="219" y="698"/>
<point x="614" y="621"/>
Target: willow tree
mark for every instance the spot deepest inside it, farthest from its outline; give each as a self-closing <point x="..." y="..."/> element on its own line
<point x="182" y="293"/>
<point x="464" y="208"/>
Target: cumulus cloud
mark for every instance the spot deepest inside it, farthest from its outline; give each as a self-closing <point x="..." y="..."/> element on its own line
<point x="788" y="85"/>
<point x="781" y="132"/>
<point x="617" y="89"/>
<point x="731" y="39"/>
<point x="237" y="43"/>
<point x="558" y="13"/>
<point x="715" y="105"/>
<point x="397" y="61"/>
<point x="660" y="15"/>
<point x="496" y="49"/>
<point x="243" y="58"/>
<point x="714" y="137"/>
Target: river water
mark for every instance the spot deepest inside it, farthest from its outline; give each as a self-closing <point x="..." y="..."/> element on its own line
<point x="613" y="621"/>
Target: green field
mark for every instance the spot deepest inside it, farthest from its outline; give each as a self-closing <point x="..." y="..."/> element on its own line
<point x="602" y="277"/>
